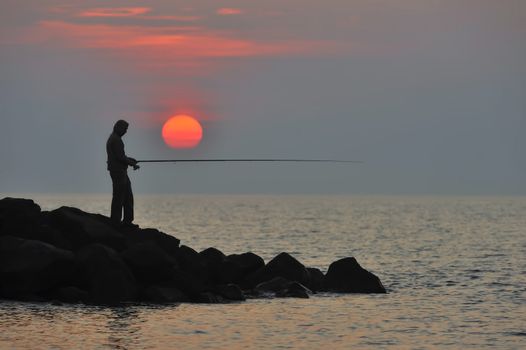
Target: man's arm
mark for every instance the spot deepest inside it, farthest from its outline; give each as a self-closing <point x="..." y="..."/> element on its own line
<point x="117" y="149"/>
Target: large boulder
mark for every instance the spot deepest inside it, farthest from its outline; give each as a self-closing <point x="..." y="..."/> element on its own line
<point x="192" y="262"/>
<point x="166" y="242"/>
<point x="283" y="265"/>
<point x="316" y="278"/>
<point x="212" y="256"/>
<point x="106" y="276"/>
<point x="347" y="276"/>
<point x="23" y="218"/>
<point x="214" y="260"/>
<point x="81" y="228"/>
<point x="234" y="268"/>
<point x="18" y="210"/>
<point x="149" y="263"/>
<point x="247" y="262"/>
<point x="32" y="267"/>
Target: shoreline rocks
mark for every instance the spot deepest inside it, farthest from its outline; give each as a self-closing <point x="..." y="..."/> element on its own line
<point x="77" y="257"/>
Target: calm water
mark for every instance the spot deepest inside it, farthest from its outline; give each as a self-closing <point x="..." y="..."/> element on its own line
<point x="455" y="269"/>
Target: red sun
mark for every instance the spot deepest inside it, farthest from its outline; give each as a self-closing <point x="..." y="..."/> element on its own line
<point x="182" y="131"/>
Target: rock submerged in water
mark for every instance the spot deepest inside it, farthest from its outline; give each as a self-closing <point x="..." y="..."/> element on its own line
<point x="73" y="256"/>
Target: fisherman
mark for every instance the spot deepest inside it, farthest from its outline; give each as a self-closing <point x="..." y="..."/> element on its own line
<point x="118" y="164"/>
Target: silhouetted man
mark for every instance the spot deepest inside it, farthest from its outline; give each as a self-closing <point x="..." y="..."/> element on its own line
<point x="118" y="164"/>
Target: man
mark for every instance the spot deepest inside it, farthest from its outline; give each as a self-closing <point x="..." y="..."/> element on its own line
<point x="118" y="164"/>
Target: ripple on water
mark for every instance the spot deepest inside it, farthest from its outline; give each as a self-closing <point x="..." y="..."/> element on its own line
<point x="453" y="267"/>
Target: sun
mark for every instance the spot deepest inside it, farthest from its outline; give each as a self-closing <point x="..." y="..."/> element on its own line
<point x="182" y="131"/>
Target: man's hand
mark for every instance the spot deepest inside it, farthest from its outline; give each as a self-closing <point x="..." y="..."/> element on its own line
<point x="135" y="167"/>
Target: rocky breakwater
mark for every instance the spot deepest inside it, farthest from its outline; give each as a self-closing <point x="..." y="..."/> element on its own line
<point x="69" y="255"/>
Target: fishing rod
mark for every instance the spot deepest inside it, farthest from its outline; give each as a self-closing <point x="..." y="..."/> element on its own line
<point x="247" y="160"/>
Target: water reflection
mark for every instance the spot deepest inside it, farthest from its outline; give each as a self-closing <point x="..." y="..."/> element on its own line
<point x="123" y="327"/>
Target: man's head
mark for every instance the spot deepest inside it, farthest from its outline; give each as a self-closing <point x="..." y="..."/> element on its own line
<point x="120" y="127"/>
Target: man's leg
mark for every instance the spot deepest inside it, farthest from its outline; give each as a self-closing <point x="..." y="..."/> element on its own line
<point x="119" y="191"/>
<point x="128" y="202"/>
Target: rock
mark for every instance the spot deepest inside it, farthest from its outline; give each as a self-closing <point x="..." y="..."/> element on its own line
<point x="247" y="262"/>
<point x="283" y="265"/>
<point x="212" y="256"/>
<point x="273" y="285"/>
<point x="234" y="268"/>
<point x="108" y="278"/>
<point x="115" y="264"/>
<point x="149" y="263"/>
<point x="211" y="298"/>
<point x="72" y="294"/>
<point x="23" y="218"/>
<point x="315" y="279"/>
<point x="18" y="210"/>
<point x="188" y="283"/>
<point x="283" y="288"/>
<point x="230" y="292"/>
<point x="81" y="228"/>
<point x="168" y="243"/>
<point x="190" y="261"/>
<point x="213" y="260"/>
<point x="294" y="290"/>
<point x="165" y="294"/>
<point x="35" y="231"/>
<point x="226" y="272"/>
<point x="30" y="267"/>
<point x="347" y="276"/>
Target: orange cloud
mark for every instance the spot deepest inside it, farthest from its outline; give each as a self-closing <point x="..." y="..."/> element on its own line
<point x="229" y="11"/>
<point x="176" y="49"/>
<point x="172" y="18"/>
<point x="174" y="41"/>
<point x="115" y="12"/>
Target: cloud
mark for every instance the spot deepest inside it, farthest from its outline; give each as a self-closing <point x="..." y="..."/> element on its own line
<point x="115" y="12"/>
<point x="225" y="11"/>
<point x="166" y="45"/>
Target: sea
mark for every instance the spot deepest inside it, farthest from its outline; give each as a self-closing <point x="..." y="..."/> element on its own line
<point x="454" y="269"/>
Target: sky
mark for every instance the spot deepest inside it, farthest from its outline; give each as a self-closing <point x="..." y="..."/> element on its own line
<point x="430" y="94"/>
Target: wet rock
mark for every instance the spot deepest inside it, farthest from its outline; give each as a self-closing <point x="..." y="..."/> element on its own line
<point x="108" y="278"/>
<point x="294" y="290"/>
<point x="149" y="263"/>
<point x="165" y="294"/>
<point x="283" y="265"/>
<point x="81" y="228"/>
<point x="347" y="276"/>
<point x="71" y="294"/>
<point x="283" y="288"/>
<point x="30" y="267"/>
<point x="211" y="298"/>
<point x="230" y="292"/>
<point x="315" y="279"/>
<point x="273" y="285"/>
